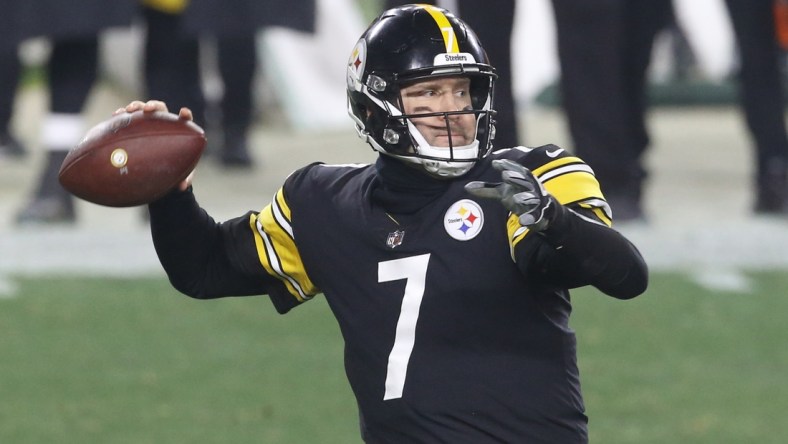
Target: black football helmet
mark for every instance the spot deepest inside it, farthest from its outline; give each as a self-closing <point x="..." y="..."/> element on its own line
<point x="408" y="44"/>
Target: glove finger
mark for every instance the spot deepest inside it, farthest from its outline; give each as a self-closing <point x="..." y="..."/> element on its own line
<point x="485" y="190"/>
<point x="508" y="165"/>
<point x="534" y="221"/>
<point x="514" y="173"/>
<point x="522" y="203"/>
<point x="527" y="219"/>
<point x="527" y="200"/>
<point x="518" y="180"/>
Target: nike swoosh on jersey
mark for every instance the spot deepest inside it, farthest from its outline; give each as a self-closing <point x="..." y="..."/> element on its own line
<point x="555" y="153"/>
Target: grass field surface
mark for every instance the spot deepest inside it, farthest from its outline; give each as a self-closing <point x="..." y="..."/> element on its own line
<point x="132" y="361"/>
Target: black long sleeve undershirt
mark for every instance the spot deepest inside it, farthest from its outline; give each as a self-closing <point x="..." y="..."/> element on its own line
<point x="574" y="252"/>
<point x="202" y="257"/>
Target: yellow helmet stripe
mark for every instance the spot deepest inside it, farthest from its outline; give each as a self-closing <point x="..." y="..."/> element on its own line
<point x="449" y="38"/>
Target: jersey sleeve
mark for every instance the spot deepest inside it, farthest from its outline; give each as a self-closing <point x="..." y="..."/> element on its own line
<point x="205" y="259"/>
<point x="572" y="182"/>
<point x="276" y="245"/>
<point x="277" y="250"/>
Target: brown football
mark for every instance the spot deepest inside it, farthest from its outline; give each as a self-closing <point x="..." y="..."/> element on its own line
<point x="132" y="158"/>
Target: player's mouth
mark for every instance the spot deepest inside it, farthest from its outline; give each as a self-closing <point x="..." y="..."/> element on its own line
<point x="446" y="140"/>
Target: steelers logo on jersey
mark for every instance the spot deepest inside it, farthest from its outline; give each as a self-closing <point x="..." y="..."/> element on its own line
<point x="464" y="220"/>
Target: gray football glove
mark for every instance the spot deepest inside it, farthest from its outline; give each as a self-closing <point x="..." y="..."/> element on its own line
<point x="520" y="192"/>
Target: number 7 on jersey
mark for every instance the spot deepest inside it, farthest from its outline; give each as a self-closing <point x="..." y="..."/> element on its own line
<point x="414" y="270"/>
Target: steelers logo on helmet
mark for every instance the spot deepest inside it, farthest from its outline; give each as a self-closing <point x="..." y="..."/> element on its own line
<point x="355" y="65"/>
<point x="464" y="220"/>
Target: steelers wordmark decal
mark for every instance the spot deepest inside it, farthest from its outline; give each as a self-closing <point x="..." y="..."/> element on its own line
<point x="464" y="220"/>
<point x="119" y="157"/>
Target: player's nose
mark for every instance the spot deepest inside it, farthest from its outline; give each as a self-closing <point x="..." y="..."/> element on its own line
<point x="450" y="103"/>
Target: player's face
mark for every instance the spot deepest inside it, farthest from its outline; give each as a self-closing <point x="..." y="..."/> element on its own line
<point x="441" y="95"/>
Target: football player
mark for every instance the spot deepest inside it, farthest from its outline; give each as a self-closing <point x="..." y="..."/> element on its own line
<point x="447" y="264"/>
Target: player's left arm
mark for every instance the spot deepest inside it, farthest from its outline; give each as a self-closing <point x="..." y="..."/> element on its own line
<point x="560" y="226"/>
<point x="575" y="251"/>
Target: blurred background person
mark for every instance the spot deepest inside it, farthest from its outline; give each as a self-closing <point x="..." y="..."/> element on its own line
<point x="10" y="36"/>
<point x="175" y="31"/>
<point x="762" y="96"/>
<point x="604" y="51"/>
<point x="73" y="28"/>
<point x="171" y="58"/>
<point x="9" y="81"/>
<point x="71" y="72"/>
<point x="493" y="23"/>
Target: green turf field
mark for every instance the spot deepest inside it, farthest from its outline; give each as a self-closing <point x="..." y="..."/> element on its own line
<point x="132" y="361"/>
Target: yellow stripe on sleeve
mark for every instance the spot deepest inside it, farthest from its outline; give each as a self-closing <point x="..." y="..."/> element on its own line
<point x="516" y="232"/>
<point x="573" y="187"/>
<point x="600" y="213"/>
<point x="569" y="180"/>
<point x="282" y="204"/>
<point x="277" y="250"/>
<point x="555" y="164"/>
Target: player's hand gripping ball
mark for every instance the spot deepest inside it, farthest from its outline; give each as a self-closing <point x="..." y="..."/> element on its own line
<point x="133" y="158"/>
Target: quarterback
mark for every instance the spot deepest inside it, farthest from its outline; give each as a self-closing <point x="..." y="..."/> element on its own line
<point x="447" y="263"/>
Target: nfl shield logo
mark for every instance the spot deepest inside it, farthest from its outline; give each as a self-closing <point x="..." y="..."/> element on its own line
<point x="395" y="239"/>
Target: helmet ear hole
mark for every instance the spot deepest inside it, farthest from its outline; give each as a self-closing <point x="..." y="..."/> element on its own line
<point x="390" y="136"/>
<point x="395" y="135"/>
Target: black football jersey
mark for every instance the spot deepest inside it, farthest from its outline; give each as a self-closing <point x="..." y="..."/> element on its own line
<point x="447" y="338"/>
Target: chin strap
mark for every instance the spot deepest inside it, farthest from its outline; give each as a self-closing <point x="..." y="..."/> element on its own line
<point x="464" y="156"/>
